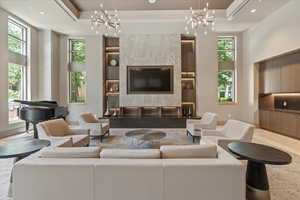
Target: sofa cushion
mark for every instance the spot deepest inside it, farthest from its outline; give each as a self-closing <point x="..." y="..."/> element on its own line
<point x="89" y="118"/>
<point x="56" y="128"/>
<point x="130" y="153"/>
<point x="64" y="142"/>
<point x="189" y="151"/>
<point x="73" y="152"/>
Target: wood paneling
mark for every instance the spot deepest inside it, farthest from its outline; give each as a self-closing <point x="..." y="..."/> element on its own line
<point x="275" y="121"/>
<point x="288" y="123"/>
<point x="264" y="119"/>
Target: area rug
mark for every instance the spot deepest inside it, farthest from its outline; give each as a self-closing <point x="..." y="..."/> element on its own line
<point x="284" y="180"/>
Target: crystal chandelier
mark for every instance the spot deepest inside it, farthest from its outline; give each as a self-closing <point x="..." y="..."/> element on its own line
<point x="102" y="18"/>
<point x="204" y="18"/>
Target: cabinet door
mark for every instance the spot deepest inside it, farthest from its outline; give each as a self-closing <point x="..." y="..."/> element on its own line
<point x="275" y="121"/>
<point x="262" y="79"/>
<point x="288" y="78"/>
<point x="275" y="79"/>
<point x="288" y="124"/>
<point x="297" y="77"/>
<point x="264" y="120"/>
<point x="298" y="126"/>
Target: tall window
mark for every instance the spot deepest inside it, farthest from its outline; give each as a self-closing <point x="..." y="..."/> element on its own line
<point x="227" y="71"/>
<point x="77" y="75"/>
<point x="17" y="66"/>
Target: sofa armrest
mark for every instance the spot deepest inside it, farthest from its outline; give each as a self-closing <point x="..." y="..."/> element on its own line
<point x="80" y="131"/>
<point x="207" y="132"/>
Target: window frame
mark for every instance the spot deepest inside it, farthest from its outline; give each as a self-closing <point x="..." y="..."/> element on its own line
<point x="71" y="62"/>
<point x="234" y="68"/>
<point x="24" y="68"/>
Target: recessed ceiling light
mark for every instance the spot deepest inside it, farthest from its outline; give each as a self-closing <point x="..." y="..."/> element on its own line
<point x="152" y="1"/>
<point x="253" y="10"/>
<point x="42" y="13"/>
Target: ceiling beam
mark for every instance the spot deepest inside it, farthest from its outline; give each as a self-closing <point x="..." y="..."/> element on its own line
<point x="69" y="8"/>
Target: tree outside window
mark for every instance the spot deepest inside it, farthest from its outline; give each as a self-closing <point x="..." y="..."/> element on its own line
<point x="77" y="75"/>
<point x="17" y="69"/>
<point x="226" y="74"/>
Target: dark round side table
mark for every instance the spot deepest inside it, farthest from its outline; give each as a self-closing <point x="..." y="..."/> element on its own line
<point x="258" y="156"/>
<point x="20" y="150"/>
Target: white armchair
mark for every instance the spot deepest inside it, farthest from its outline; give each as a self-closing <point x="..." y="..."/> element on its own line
<point x="232" y="131"/>
<point x="59" y="133"/>
<point x="194" y="127"/>
<point x="96" y="127"/>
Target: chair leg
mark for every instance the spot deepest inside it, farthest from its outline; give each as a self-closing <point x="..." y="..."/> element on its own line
<point x="193" y="139"/>
<point x="101" y="138"/>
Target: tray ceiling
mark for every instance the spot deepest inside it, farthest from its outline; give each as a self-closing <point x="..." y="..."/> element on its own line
<point x="87" y="5"/>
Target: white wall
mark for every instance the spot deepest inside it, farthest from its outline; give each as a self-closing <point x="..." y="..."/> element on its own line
<point x="207" y="99"/>
<point x="277" y="34"/>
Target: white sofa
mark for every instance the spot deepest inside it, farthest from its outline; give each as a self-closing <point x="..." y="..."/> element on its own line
<point x="232" y="131"/>
<point x="194" y="126"/>
<point x="221" y="178"/>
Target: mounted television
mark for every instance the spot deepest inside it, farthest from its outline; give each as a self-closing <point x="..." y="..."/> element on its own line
<point x="150" y="80"/>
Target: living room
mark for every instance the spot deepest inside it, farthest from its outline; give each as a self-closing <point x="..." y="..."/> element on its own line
<point x="133" y="96"/>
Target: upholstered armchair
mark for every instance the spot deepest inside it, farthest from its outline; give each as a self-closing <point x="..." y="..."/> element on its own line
<point x="232" y="131"/>
<point x="208" y="121"/>
<point x="61" y="134"/>
<point x="97" y="128"/>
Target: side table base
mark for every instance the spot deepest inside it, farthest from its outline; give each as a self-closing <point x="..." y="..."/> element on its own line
<point x="256" y="194"/>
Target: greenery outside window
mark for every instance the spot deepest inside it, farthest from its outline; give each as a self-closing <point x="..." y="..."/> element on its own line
<point x="226" y="69"/>
<point x="17" y="66"/>
<point x="77" y="74"/>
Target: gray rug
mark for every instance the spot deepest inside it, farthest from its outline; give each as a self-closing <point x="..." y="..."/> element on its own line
<point x="284" y="180"/>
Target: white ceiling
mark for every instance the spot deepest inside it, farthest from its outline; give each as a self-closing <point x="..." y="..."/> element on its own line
<point x="87" y="5"/>
<point x="55" y="18"/>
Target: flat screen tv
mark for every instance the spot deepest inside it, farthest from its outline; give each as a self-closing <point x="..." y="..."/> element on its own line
<point x="150" y="80"/>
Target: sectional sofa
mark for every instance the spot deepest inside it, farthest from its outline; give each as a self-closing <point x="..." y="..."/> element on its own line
<point x="169" y="173"/>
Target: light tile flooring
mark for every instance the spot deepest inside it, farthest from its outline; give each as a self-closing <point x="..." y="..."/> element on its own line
<point x="260" y="136"/>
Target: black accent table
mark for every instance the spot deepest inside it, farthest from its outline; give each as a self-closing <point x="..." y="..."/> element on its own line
<point x="258" y="156"/>
<point x="20" y="150"/>
<point x="148" y="121"/>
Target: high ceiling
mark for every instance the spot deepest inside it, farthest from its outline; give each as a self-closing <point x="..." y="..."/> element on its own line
<point x="87" y="5"/>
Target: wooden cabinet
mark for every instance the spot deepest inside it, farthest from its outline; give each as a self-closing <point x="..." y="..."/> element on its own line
<point x="264" y="119"/>
<point x="280" y="75"/>
<point x="287" y="124"/>
<point x="270" y="79"/>
<point x="275" y="121"/>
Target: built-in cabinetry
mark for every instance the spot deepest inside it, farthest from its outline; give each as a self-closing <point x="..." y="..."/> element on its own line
<point x="188" y="75"/>
<point x="279" y="98"/>
<point x="111" y="74"/>
<point x="286" y="123"/>
<point x="280" y="75"/>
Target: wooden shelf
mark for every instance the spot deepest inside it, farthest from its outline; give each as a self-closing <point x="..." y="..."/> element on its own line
<point x="112" y="93"/>
<point x="112" y="53"/>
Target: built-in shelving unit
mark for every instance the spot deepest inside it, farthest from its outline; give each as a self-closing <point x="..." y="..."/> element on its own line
<point x="188" y="75"/>
<point x="111" y="74"/>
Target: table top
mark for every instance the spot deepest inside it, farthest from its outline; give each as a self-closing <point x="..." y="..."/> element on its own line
<point x="20" y="149"/>
<point x="260" y="153"/>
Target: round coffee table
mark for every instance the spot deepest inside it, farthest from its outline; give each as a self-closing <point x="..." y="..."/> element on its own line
<point x="144" y="138"/>
<point x="20" y="150"/>
<point x="258" y="156"/>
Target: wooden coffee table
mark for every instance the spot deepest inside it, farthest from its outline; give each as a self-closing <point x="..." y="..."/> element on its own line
<point x="258" y="156"/>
